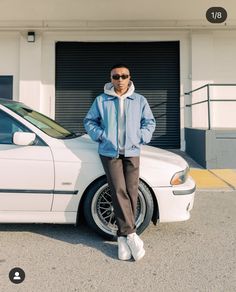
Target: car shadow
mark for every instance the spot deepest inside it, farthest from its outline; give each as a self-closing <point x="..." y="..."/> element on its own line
<point x="75" y="235"/>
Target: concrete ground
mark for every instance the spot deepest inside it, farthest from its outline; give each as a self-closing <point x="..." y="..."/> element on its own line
<point x="197" y="255"/>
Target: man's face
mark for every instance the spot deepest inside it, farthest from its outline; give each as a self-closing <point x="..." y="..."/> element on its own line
<point x="120" y="78"/>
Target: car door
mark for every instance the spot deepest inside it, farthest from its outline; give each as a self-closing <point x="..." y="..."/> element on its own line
<point x="26" y="172"/>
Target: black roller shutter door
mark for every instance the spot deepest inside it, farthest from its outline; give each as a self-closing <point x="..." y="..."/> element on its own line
<point x="82" y="69"/>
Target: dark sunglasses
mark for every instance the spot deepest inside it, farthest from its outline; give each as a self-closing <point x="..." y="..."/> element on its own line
<point x="117" y="77"/>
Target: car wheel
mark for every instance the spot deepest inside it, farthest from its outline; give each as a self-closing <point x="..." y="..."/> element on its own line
<point x="99" y="212"/>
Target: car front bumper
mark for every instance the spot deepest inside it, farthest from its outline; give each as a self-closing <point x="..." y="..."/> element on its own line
<point x="175" y="202"/>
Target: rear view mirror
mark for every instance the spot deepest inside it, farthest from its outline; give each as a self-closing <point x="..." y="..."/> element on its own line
<point x="24" y="138"/>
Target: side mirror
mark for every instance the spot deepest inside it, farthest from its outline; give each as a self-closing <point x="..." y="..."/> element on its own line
<point x="24" y="138"/>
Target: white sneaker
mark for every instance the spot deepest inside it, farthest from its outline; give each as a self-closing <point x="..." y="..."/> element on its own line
<point x="124" y="252"/>
<point x="136" y="246"/>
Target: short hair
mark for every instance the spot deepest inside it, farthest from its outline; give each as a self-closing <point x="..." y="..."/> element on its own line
<point x="120" y="65"/>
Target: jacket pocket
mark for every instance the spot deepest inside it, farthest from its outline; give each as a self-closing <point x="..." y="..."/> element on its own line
<point x="138" y="137"/>
<point x="135" y="140"/>
<point x="106" y="144"/>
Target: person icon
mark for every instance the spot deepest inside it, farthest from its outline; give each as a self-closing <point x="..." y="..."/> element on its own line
<point x="17" y="276"/>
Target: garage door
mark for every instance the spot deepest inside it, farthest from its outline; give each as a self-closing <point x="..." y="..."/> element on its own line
<point x="82" y="69"/>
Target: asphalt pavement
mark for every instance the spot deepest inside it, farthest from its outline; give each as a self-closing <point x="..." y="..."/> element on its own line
<point x="197" y="255"/>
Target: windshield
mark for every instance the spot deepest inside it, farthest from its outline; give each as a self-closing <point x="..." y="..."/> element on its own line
<point x="45" y="124"/>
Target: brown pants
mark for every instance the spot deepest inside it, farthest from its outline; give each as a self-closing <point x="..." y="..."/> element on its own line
<point x="123" y="178"/>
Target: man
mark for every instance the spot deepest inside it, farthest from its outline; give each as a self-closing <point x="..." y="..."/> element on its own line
<point x="121" y="120"/>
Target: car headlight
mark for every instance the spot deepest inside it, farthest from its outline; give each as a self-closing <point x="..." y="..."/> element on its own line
<point x="180" y="177"/>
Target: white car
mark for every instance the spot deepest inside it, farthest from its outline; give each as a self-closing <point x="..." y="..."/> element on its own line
<point x="50" y="175"/>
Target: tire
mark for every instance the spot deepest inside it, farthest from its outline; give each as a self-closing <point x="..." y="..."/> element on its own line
<point x="99" y="214"/>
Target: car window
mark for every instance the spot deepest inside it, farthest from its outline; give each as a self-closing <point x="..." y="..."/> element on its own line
<point x="42" y="122"/>
<point x="8" y="126"/>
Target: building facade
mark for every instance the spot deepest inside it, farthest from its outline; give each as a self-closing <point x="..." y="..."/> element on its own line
<point x="55" y="57"/>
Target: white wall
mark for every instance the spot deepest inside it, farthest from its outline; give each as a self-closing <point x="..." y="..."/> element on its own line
<point x="225" y="72"/>
<point x="30" y="71"/>
<point x="214" y="62"/>
<point x="107" y="10"/>
<point x="9" y="58"/>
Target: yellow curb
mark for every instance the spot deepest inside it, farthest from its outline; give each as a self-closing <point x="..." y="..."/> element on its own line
<point x="206" y="180"/>
<point x="228" y="175"/>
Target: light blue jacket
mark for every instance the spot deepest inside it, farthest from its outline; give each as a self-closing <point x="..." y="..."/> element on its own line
<point x="101" y="124"/>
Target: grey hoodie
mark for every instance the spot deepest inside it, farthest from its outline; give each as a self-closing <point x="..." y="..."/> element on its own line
<point x="109" y="90"/>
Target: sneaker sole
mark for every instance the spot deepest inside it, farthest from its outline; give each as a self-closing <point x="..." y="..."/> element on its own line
<point x="140" y="255"/>
<point x="125" y="258"/>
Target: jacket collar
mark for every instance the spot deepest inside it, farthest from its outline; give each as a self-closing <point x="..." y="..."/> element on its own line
<point x="110" y="97"/>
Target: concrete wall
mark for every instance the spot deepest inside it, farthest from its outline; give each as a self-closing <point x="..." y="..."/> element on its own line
<point x="212" y="148"/>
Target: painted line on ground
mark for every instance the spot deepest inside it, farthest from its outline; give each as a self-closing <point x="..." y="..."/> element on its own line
<point x="206" y="180"/>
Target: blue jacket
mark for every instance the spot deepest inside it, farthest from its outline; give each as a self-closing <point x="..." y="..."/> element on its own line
<point x="101" y="124"/>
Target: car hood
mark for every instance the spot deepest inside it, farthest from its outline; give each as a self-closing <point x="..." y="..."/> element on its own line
<point x="163" y="157"/>
<point x="157" y="166"/>
<point x="154" y="157"/>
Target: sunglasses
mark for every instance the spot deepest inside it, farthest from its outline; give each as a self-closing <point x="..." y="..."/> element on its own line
<point x="117" y="77"/>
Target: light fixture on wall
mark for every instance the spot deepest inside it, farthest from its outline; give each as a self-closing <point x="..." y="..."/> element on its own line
<point x="31" y="37"/>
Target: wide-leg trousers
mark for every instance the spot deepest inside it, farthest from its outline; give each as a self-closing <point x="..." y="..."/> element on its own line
<point x="123" y="178"/>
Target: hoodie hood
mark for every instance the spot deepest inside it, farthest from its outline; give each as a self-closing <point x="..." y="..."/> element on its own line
<point x="109" y="90"/>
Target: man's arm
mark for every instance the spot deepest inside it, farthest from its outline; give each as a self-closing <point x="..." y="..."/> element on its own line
<point x="92" y="123"/>
<point x="148" y="124"/>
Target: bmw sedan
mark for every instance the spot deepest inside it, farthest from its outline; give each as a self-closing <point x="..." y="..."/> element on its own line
<point x="49" y="174"/>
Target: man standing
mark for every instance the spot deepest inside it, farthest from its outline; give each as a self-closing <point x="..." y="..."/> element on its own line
<point x="121" y="120"/>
